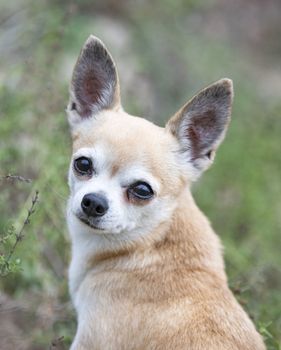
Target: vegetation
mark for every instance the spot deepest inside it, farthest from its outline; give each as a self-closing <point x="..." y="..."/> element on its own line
<point x="165" y="52"/>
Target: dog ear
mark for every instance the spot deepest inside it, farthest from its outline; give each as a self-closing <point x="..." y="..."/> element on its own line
<point x="94" y="84"/>
<point x="201" y="124"/>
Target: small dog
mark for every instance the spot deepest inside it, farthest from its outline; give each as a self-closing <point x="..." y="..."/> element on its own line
<point x="147" y="270"/>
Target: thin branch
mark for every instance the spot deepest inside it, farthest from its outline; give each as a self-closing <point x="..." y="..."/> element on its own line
<point x="20" y="235"/>
<point x="15" y="177"/>
<point x="57" y="342"/>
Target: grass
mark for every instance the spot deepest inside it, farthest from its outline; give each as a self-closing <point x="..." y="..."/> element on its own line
<point x="240" y="194"/>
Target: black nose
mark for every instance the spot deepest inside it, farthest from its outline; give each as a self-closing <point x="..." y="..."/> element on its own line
<point x="94" y="204"/>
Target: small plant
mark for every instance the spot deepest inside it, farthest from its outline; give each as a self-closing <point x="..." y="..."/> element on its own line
<point x="10" y="239"/>
<point x="272" y="342"/>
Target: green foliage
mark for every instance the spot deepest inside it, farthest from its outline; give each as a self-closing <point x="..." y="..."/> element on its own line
<point x="6" y="265"/>
<point x="271" y="341"/>
<point x="10" y="240"/>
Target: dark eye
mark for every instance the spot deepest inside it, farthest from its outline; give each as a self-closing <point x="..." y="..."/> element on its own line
<point x="83" y="166"/>
<point x="141" y="190"/>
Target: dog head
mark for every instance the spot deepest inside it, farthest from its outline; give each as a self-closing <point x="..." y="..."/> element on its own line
<point x="126" y="173"/>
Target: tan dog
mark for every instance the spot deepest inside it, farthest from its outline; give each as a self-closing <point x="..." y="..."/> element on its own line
<point x="147" y="270"/>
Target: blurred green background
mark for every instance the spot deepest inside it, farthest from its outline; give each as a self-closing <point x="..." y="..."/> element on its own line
<point x="165" y="51"/>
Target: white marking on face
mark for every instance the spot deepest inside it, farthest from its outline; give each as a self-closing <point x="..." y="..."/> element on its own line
<point x="122" y="217"/>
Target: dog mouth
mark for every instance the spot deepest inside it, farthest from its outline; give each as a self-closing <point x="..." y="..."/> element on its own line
<point x="89" y="222"/>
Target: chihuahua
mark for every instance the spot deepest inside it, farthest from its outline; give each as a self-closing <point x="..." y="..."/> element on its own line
<point x="147" y="270"/>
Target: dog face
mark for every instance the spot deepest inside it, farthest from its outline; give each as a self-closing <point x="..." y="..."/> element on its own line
<point x="118" y="184"/>
<point x="127" y="173"/>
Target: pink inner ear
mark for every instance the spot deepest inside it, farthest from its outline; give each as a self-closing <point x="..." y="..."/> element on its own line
<point x="202" y="132"/>
<point x="88" y="91"/>
<point x="193" y="137"/>
<point x="92" y="88"/>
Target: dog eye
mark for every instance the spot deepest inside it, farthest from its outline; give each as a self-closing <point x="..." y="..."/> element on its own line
<point x="83" y="166"/>
<point x="141" y="190"/>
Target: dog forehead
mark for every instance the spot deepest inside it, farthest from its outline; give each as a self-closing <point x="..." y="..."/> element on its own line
<point x="132" y="147"/>
<point x="125" y="138"/>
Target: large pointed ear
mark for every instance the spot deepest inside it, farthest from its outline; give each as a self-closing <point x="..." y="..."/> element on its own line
<point x="201" y="124"/>
<point x="94" y="84"/>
